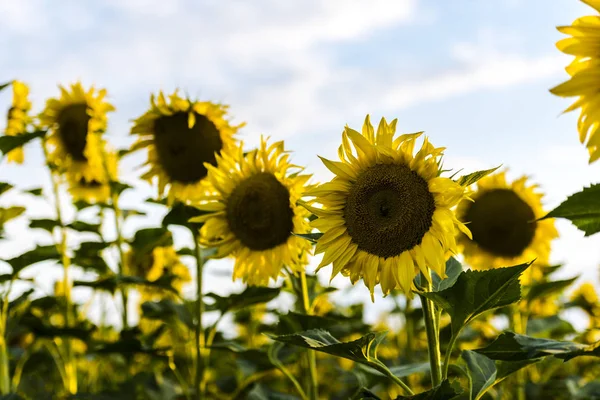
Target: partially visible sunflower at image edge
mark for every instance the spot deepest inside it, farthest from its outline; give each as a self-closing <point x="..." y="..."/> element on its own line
<point x="387" y="213"/>
<point x="252" y="212"/>
<point x="503" y="219"/>
<point x="76" y="122"/>
<point x="584" y="83"/>
<point x="18" y="118"/>
<point x="181" y="135"/>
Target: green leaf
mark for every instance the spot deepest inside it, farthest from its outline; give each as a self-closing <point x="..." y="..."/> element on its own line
<point x="44" y="223"/>
<point x="9" y="143"/>
<point x="548" y="288"/>
<point x="482" y="372"/>
<point x="35" y="192"/>
<point x="261" y="392"/>
<point x="549" y="327"/>
<point x="186" y="251"/>
<point x="6" y="214"/>
<point x="5" y="187"/>
<point x="167" y="311"/>
<point x="5" y="85"/>
<point x="311" y="237"/>
<point x="10" y="396"/>
<point x="81" y="226"/>
<point x="89" y="257"/>
<point x="467" y="180"/>
<point x="337" y="325"/>
<point x="476" y="292"/>
<point x="111" y="283"/>
<point x="119" y="187"/>
<point x="510" y="346"/>
<point x="180" y="214"/>
<point x="39" y="254"/>
<point x="126" y="212"/>
<point x="453" y="271"/>
<point x="445" y="391"/>
<point x="145" y="240"/>
<point x="236" y="301"/>
<point x="582" y="209"/>
<point x="362" y="350"/>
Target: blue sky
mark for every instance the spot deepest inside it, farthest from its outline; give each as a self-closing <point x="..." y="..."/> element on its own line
<point x="473" y="74"/>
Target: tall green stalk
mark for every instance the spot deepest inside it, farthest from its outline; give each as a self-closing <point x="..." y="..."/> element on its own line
<point x="518" y="325"/>
<point x="199" y="381"/>
<point x="69" y="365"/>
<point x="4" y="359"/>
<point x="432" y="329"/>
<point x="117" y="215"/>
<point x="312" y="360"/>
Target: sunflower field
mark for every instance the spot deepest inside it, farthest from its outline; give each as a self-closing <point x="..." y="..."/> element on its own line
<point x="461" y="259"/>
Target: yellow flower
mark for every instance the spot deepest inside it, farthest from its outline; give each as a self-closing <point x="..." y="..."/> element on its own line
<point x="584" y="83"/>
<point x="76" y="122"/>
<point x="96" y="190"/>
<point x="502" y="219"/>
<point x="18" y="117"/>
<point x="387" y="213"/>
<point x="253" y="212"/>
<point x="154" y="264"/>
<point x="181" y="135"/>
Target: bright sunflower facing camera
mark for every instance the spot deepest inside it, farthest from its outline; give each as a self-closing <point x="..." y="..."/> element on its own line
<point x="18" y="117"/>
<point x="76" y="122"/>
<point x="386" y="214"/>
<point x="503" y="221"/>
<point x="585" y="72"/>
<point x="182" y="135"/>
<point x="253" y="212"/>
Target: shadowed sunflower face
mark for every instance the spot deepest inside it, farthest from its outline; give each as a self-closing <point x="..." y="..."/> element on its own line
<point x="73" y="121"/>
<point x="182" y="135"/>
<point x="503" y="221"/>
<point x="386" y="214"/>
<point x="253" y="212"/>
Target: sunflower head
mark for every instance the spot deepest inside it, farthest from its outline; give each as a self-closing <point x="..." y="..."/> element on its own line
<point x="92" y="185"/>
<point x="583" y="84"/>
<point x="253" y="212"/>
<point x="18" y="117"/>
<point x="386" y="213"/>
<point x="503" y="219"/>
<point x="181" y="135"/>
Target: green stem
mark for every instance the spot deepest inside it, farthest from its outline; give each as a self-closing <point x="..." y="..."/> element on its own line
<point x="69" y="366"/>
<point x="312" y="359"/>
<point x="379" y="366"/>
<point x="449" y="355"/>
<point x="4" y="358"/>
<point x="199" y="382"/>
<point x="408" y="326"/>
<point x="272" y="354"/>
<point x="118" y="228"/>
<point x="517" y="326"/>
<point x="433" y="339"/>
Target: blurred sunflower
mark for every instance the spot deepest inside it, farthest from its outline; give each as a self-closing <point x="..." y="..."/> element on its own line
<point x="18" y="117"/>
<point x="585" y="73"/>
<point x="96" y="190"/>
<point x="154" y="264"/>
<point x="502" y="218"/>
<point x="181" y="135"/>
<point x="386" y="214"/>
<point x="254" y="212"/>
<point x="76" y="122"/>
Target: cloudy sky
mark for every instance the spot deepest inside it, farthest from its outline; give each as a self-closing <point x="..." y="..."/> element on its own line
<point x="473" y="74"/>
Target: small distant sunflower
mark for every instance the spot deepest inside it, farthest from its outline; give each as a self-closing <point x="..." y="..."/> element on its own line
<point x="154" y="264"/>
<point x="18" y="117"/>
<point x="502" y="218"/>
<point x="584" y="83"/>
<point x="96" y="190"/>
<point x="181" y="135"/>
<point x="387" y="213"/>
<point x="76" y="122"/>
<point x="254" y="212"/>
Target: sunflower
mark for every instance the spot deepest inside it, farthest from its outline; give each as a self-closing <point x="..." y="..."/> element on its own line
<point x="584" y="83"/>
<point x="76" y="122"/>
<point x="503" y="219"/>
<point x="96" y="189"/>
<point x="253" y="212"/>
<point x="182" y="135"/>
<point x="18" y="118"/>
<point x="386" y="214"/>
<point x="154" y="264"/>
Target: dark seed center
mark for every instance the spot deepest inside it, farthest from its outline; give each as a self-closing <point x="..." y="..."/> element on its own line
<point x="501" y="222"/>
<point x="182" y="151"/>
<point x="389" y="210"/>
<point x="73" y="129"/>
<point x="259" y="212"/>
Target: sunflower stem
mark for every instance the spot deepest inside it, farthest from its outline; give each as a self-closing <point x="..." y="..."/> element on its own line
<point x="199" y="382"/>
<point x="312" y="359"/>
<point x="4" y="358"/>
<point x="118" y="228"/>
<point x="433" y="338"/>
<point x="518" y="326"/>
<point x="69" y="365"/>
